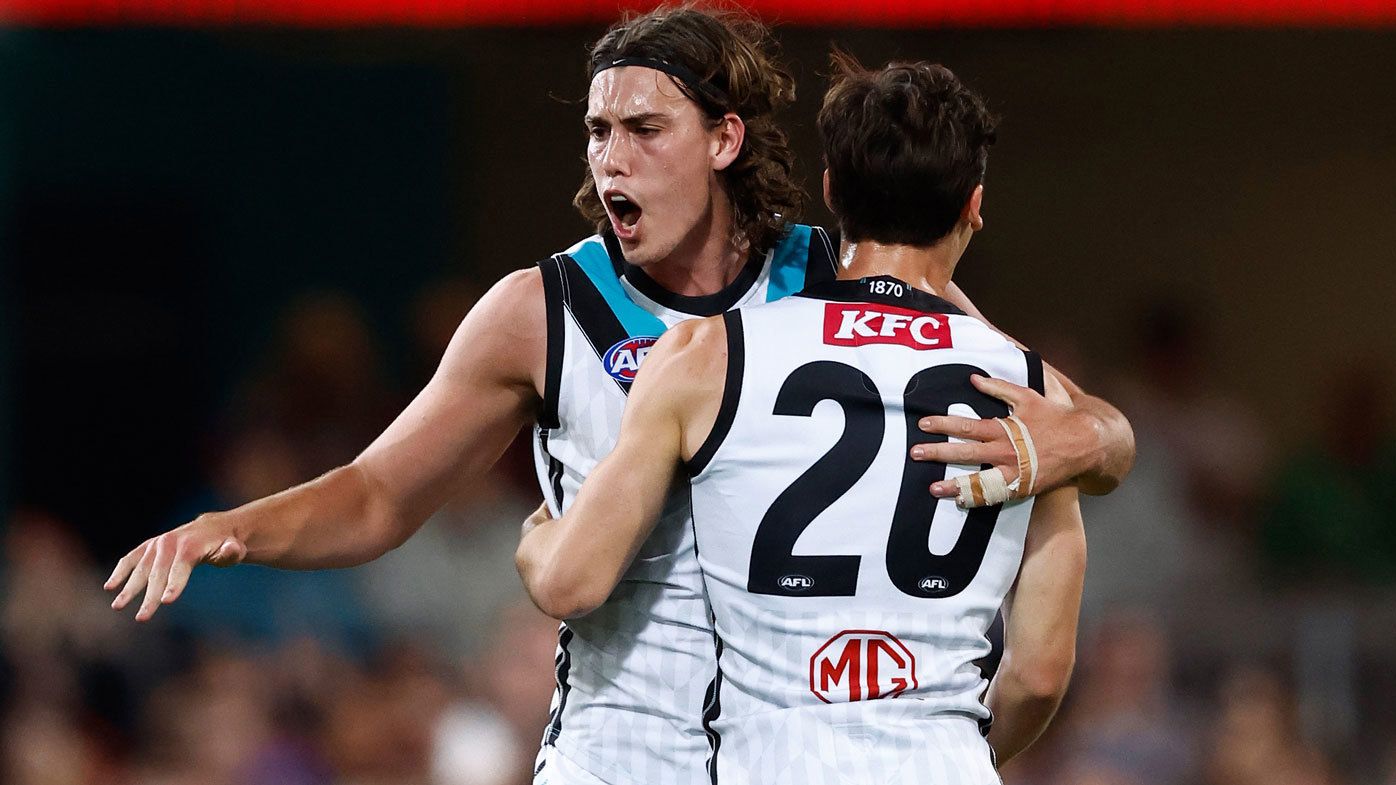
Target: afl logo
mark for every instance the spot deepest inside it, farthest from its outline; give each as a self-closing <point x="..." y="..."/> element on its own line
<point x="933" y="584"/>
<point x="623" y="360"/>
<point x="795" y="582"/>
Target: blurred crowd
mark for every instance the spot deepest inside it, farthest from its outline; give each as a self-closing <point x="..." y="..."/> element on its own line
<point x="1235" y="626"/>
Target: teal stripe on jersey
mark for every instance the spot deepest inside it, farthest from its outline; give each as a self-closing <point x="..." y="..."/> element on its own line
<point x="789" y="264"/>
<point x="591" y="256"/>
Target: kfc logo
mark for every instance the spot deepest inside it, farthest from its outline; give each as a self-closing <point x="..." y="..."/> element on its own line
<point x="860" y="665"/>
<point x="858" y="324"/>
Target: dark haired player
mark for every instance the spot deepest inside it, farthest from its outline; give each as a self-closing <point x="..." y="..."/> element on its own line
<point x="689" y="182"/>
<point x="849" y="607"/>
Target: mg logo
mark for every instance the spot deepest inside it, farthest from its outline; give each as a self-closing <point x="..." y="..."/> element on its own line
<point x="860" y="665"/>
<point x="795" y="582"/>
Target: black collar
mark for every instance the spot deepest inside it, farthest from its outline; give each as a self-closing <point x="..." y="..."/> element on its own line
<point x="702" y="305"/>
<point x="882" y="289"/>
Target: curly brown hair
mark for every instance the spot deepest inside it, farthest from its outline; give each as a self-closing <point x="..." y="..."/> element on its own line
<point x="734" y="53"/>
<point x="905" y="146"/>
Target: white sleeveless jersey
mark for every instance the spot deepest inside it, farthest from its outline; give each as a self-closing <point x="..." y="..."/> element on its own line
<point x="634" y="676"/>
<point x="851" y="607"/>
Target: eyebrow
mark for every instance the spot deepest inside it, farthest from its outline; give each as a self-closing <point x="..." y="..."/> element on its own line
<point x="632" y="120"/>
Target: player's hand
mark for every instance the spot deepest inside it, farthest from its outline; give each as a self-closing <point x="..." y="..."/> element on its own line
<point x="1064" y="440"/>
<point x="539" y="516"/>
<point x="161" y="565"/>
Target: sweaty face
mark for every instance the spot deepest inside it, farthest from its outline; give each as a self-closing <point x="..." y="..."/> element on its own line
<point x="651" y="155"/>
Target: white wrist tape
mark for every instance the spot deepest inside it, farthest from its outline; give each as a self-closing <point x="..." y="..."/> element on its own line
<point x="982" y="489"/>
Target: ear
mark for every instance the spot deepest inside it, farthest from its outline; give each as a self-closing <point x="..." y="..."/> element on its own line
<point x="971" y="213"/>
<point x="727" y="141"/>
<point x="828" y="196"/>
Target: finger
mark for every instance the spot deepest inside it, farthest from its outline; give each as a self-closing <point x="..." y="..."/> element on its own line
<point x="180" y="571"/>
<point x="226" y="554"/>
<point x="136" y="582"/>
<point x="124" y="567"/>
<point x="961" y="427"/>
<point x="998" y="453"/>
<point x="1012" y="394"/>
<point x="976" y="489"/>
<point x="945" y="489"/>
<point x="159" y="578"/>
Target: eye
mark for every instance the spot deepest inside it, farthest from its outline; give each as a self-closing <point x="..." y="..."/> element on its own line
<point x="646" y="131"/>
<point x="597" y="132"/>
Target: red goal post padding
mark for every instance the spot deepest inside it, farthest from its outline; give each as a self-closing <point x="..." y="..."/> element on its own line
<point x="859" y="13"/>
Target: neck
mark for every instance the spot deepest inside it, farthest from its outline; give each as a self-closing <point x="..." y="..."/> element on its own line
<point x="925" y="267"/>
<point x="706" y="260"/>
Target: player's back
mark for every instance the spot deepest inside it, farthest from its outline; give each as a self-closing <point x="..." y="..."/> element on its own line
<point x="633" y="675"/>
<point x="850" y="606"/>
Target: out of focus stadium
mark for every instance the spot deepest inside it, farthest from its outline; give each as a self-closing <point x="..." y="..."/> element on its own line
<point x="235" y="238"/>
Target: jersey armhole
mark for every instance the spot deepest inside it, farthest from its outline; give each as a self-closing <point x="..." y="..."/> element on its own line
<point x="1035" y="379"/>
<point x="731" y="394"/>
<point x="553" y="289"/>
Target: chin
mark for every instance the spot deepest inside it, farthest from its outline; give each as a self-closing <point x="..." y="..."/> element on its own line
<point x="643" y="254"/>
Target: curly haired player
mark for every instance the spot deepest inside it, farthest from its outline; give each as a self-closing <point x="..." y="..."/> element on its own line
<point x="849" y="607"/>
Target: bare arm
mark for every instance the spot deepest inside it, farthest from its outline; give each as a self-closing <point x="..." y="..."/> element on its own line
<point x="1041" y="614"/>
<point x="572" y="564"/>
<point x="484" y="390"/>
<point x="1040" y="632"/>
<point x="1082" y="439"/>
<point x="1107" y="452"/>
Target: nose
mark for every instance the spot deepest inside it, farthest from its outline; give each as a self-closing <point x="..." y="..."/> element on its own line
<point x="616" y="155"/>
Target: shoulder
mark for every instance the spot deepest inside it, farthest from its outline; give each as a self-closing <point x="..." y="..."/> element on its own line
<point x="692" y="346"/>
<point x="520" y="288"/>
<point x="506" y="330"/>
<point x="688" y="363"/>
<point x="682" y="379"/>
<point x="969" y="327"/>
<point x="512" y="310"/>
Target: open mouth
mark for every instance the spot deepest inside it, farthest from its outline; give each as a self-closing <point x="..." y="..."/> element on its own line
<point x="625" y="213"/>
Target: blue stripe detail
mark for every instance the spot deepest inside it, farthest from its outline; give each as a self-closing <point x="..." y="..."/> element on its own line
<point x="591" y="256"/>
<point x="789" y="263"/>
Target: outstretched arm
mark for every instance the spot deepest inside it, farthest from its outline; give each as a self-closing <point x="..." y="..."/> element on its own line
<point x="571" y="564"/>
<point x="1041" y="615"/>
<point x="1080" y="438"/>
<point x="456" y="428"/>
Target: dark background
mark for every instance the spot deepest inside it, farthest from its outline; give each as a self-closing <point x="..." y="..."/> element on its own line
<point x="167" y="192"/>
